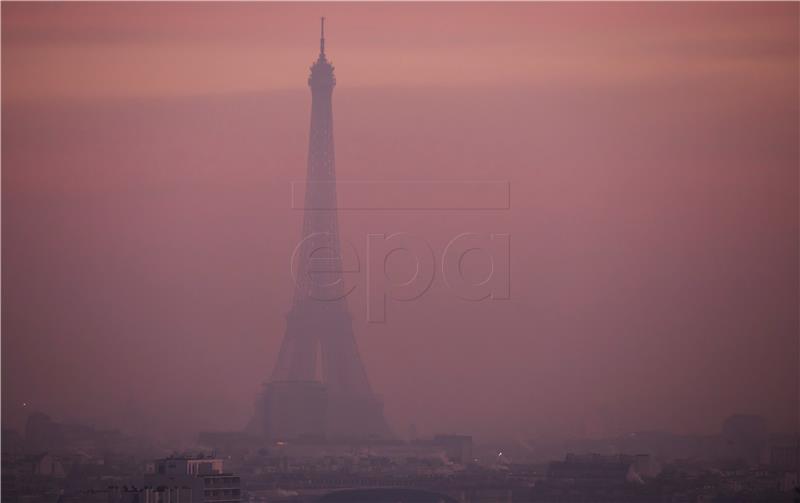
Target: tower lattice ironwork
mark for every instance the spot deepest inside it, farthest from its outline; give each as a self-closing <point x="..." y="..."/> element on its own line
<point x="319" y="386"/>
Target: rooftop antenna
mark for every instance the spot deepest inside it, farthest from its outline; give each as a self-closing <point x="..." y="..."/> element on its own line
<point x="322" y="36"/>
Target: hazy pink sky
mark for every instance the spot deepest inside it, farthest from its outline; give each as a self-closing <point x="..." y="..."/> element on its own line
<point x="651" y="151"/>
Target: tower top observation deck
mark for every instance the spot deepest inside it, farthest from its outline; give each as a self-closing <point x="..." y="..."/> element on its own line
<point x="322" y="70"/>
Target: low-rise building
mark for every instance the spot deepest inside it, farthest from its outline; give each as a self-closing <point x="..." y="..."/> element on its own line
<point x="204" y="476"/>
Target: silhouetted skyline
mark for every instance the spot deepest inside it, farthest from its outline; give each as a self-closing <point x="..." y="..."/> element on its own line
<point x="651" y="154"/>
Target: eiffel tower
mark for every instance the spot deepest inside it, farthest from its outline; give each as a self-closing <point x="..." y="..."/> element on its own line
<point x="319" y="387"/>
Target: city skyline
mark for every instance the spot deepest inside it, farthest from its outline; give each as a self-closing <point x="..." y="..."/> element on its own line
<point x="149" y="150"/>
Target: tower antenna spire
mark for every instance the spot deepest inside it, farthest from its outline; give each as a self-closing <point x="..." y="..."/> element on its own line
<point x="322" y="35"/>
